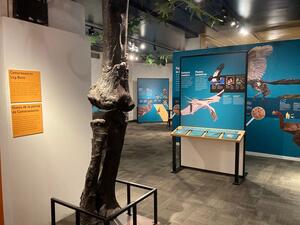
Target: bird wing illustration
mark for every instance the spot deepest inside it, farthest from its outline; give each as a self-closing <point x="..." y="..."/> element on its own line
<point x="257" y="61"/>
<point x="215" y="98"/>
<point x="217" y="73"/>
<point x="196" y="104"/>
<point x="212" y="112"/>
<point x="191" y="108"/>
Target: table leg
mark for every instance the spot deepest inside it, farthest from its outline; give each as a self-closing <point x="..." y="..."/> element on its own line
<point x="237" y="164"/>
<point x="174" y="154"/>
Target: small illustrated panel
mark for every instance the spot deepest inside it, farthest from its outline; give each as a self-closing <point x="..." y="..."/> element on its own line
<point x="25" y="86"/>
<point x="231" y="135"/>
<point x="213" y="134"/>
<point x="153" y="100"/>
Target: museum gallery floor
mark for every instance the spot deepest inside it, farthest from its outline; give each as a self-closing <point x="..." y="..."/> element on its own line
<point x="270" y="194"/>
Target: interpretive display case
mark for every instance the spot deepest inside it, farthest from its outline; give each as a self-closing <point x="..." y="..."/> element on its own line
<point x="210" y="149"/>
<point x="211" y="133"/>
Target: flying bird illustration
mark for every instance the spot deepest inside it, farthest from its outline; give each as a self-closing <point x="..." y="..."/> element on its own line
<point x="215" y="78"/>
<point x="196" y="104"/>
<point x="257" y="66"/>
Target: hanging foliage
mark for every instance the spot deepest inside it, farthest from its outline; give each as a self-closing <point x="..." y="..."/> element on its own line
<point x="134" y="24"/>
<point x="165" y="9"/>
<point x="158" y="59"/>
<point x="95" y="38"/>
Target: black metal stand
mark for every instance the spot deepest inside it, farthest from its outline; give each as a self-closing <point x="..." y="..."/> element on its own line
<point x="237" y="164"/>
<point x="107" y="220"/>
<point x="170" y="119"/>
<point x="175" y="168"/>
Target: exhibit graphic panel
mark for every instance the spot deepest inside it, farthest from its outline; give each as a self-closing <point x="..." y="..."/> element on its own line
<point x="213" y="90"/>
<point x="25" y="86"/>
<point x="273" y="108"/>
<point x="153" y="100"/>
<point x="273" y="95"/>
<point x="27" y="119"/>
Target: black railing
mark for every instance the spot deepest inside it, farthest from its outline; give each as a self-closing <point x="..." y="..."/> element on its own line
<point x="106" y="220"/>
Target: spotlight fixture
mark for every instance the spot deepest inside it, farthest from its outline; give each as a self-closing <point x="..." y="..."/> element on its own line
<point x="233" y="23"/>
<point x="91" y="31"/>
<point x="131" y="57"/>
<point x="244" y="31"/>
<point x="132" y="47"/>
<point x="136" y="58"/>
<point x="143" y="46"/>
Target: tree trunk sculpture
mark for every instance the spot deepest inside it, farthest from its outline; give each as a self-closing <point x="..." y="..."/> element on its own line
<point x="111" y="95"/>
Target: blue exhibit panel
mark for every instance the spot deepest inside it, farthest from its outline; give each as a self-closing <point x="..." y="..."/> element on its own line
<point x="153" y="100"/>
<point x="273" y="96"/>
<point x="205" y="106"/>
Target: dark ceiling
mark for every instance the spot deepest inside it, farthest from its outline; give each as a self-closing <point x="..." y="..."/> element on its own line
<point x="264" y="14"/>
<point x="257" y="14"/>
<point x="267" y="20"/>
<point x="267" y="13"/>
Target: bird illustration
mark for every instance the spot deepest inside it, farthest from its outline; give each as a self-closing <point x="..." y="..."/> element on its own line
<point x="142" y="110"/>
<point x="257" y="66"/>
<point x="215" y="78"/>
<point x="292" y="128"/>
<point x="196" y="104"/>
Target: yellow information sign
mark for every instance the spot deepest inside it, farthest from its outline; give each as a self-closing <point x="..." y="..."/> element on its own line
<point x="27" y="119"/>
<point x="25" y="86"/>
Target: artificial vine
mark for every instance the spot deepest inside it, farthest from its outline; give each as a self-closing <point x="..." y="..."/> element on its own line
<point x="158" y="59"/>
<point x="165" y="9"/>
<point x="134" y="24"/>
<point x="95" y="38"/>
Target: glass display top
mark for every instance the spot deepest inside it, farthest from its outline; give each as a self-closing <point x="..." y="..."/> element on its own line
<point x="209" y="133"/>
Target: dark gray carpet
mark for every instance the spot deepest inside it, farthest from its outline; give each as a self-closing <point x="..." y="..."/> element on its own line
<point x="270" y="195"/>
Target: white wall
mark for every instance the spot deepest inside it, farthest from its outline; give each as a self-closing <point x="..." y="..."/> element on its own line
<point x="3" y="8"/>
<point x="192" y="43"/>
<point x="137" y="70"/>
<point x="96" y="68"/>
<point x="53" y="164"/>
<point x="66" y="15"/>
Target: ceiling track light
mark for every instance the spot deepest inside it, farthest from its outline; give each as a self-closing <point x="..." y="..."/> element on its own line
<point x="244" y="31"/>
<point x="143" y="46"/>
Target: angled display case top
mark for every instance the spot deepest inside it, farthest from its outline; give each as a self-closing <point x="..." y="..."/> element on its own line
<point x="209" y="133"/>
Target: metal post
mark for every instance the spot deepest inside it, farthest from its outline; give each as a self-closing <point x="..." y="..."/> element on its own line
<point x="134" y="218"/>
<point x="179" y="154"/>
<point x="53" y="222"/>
<point x="77" y="215"/>
<point x="174" y="154"/>
<point x="244" y="156"/>
<point x="237" y="163"/>
<point x="155" y="207"/>
<point x="128" y="199"/>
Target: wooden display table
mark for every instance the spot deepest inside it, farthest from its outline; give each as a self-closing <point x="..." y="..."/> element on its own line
<point x="210" y="149"/>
